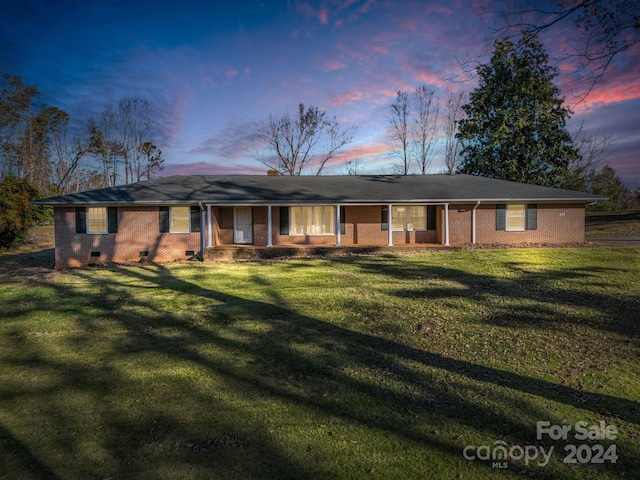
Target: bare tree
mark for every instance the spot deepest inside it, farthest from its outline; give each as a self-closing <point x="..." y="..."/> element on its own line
<point x="593" y="149"/>
<point x="597" y="30"/>
<point x="302" y="142"/>
<point x="133" y="123"/>
<point x="66" y="153"/>
<point x="398" y="132"/>
<point x="425" y="126"/>
<point x="353" y="166"/>
<point x="453" y="113"/>
<point x="127" y="133"/>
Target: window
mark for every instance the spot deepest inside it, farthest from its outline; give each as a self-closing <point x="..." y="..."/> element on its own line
<point x="409" y="217"/>
<point x="317" y="220"/>
<point x="180" y="219"/>
<point x="97" y="220"/>
<point x="516" y="217"/>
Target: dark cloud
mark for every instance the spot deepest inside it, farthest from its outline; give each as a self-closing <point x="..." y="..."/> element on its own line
<point x="237" y="140"/>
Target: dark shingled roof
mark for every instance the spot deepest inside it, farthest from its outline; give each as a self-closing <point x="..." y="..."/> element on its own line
<point x="283" y="190"/>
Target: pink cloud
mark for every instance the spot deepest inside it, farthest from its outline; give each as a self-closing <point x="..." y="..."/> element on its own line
<point x="323" y="15"/>
<point x="364" y="8"/>
<point x="172" y="120"/>
<point x="230" y="72"/>
<point x="332" y="65"/>
<point x="367" y="154"/>
<point x="305" y="9"/>
<point x="613" y="95"/>
<point x="618" y="85"/>
<point x="343" y="11"/>
<point x="424" y="77"/>
<point x="206" y="79"/>
<point x="378" y="95"/>
<point x="369" y="150"/>
<point x="380" y="49"/>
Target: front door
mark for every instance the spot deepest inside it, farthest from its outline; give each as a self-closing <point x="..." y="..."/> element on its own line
<point x="242" y="225"/>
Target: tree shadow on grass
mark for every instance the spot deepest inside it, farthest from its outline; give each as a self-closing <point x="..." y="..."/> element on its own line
<point x="533" y="296"/>
<point x="21" y="456"/>
<point x="267" y="353"/>
<point x="18" y="264"/>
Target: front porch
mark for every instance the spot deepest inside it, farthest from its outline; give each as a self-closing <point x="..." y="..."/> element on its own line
<point x="230" y="253"/>
<point x="323" y="226"/>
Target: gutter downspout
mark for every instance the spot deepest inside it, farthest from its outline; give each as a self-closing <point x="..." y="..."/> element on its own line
<point x="473" y="225"/>
<point x="202" y="226"/>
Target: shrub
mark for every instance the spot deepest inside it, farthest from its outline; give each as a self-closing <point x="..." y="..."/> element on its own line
<point x="16" y="213"/>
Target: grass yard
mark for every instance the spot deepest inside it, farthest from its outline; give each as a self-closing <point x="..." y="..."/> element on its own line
<point x="612" y="224"/>
<point x="312" y="368"/>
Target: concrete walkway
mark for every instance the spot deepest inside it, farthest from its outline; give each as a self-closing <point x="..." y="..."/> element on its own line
<point x="616" y="241"/>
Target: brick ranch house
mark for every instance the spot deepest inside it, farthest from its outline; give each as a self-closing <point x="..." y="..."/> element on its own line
<point x="179" y="217"/>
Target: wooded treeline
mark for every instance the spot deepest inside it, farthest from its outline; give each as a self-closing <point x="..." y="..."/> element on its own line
<point x="37" y="143"/>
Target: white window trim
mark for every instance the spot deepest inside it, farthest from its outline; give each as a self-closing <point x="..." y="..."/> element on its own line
<point x="106" y="223"/>
<point x="407" y="218"/>
<point x="506" y="218"/>
<point x="171" y="230"/>
<point x="311" y="234"/>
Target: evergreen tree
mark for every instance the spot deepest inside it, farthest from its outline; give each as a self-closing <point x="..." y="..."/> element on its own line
<point x="607" y="183"/>
<point x="515" y="125"/>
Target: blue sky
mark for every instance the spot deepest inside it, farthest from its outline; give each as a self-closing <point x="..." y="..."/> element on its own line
<point x="214" y="70"/>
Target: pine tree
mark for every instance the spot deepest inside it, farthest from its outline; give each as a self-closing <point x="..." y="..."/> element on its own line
<point x="515" y="125"/>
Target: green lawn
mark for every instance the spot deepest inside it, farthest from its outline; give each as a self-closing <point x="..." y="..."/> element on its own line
<point x="312" y="369"/>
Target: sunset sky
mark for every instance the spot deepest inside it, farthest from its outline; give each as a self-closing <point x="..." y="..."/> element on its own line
<point x="213" y="70"/>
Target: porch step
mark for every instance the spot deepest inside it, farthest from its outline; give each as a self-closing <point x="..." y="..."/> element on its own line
<point x="226" y="253"/>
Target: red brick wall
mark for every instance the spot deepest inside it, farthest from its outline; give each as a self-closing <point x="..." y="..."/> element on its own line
<point x="138" y="230"/>
<point x="557" y="223"/>
<point x="460" y="221"/>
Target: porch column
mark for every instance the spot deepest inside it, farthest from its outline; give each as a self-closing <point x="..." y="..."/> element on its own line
<point x="446" y="224"/>
<point x="209" y="228"/>
<point x="269" y="233"/>
<point x="337" y="225"/>
<point x="390" y="225"/>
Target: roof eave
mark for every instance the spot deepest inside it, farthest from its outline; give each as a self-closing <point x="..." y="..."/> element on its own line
<point x="438" y="201"/>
